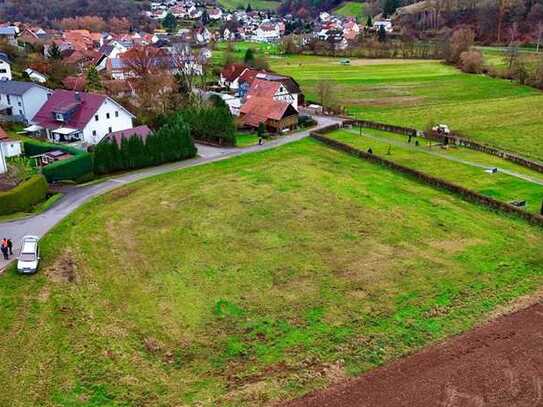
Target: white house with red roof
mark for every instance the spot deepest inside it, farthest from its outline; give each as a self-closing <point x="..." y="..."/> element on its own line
<point x="81" y="117"/>
<point x="274" y="90"/>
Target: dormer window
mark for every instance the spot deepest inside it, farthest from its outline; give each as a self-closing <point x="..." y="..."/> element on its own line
<point x="59" y="117"/>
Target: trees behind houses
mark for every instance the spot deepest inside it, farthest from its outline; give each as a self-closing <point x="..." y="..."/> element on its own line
<point x="210" y="123"/>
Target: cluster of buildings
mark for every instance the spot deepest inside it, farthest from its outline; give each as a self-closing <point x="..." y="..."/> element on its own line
<point x="258" y="97"/>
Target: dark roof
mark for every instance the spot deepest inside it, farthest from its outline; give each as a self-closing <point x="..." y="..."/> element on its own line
<point x="61" y="100"/>
<point x="4" y="57"/>
<point x="140" y="131"/>
<point x="16" y="88"/>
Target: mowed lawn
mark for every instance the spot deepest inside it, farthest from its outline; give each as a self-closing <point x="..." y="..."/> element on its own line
<point x="457" y="165"/>
<point x="414" y="93"/>
<point x="253" y="279"/>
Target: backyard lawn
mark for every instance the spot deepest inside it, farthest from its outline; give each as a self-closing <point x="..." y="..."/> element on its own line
<point x="252" y="279"/>
<point x="414" y="93"/>
<point x="461" y="166"/>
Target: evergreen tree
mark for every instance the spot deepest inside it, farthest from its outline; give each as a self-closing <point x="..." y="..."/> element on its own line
<point x="369" y="22"/>
<point x="169" y="22"/>
<point x="382" y="34"/>
<point x="249" y="8"/>
<point x="390" y="7"/>
<point x="54" y="52"/>
<point x="249" y="58"/>
<point x="205" y="17"/>
<point x="94" y="82"/>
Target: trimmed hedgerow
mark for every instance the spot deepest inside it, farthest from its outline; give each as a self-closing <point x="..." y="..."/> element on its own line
<point x="24" y="196"/>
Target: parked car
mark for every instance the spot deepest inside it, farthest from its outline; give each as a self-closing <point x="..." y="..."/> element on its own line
<point x="29" y="256"/>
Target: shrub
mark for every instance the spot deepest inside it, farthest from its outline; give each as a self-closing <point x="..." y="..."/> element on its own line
<point x="306" y="121"/>
<point x="77" y="167"/>
<point x="212" y="124"/>
<point x="24" y="196"/>
<point x="472" y="61"/>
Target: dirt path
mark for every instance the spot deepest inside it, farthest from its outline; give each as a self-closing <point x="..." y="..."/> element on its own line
<point x="497" y="365"/>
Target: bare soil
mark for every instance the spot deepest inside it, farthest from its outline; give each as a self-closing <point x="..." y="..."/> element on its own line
<point x="496" y="365"/>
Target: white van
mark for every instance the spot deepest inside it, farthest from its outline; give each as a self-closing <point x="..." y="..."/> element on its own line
<point x="29" y="257"/>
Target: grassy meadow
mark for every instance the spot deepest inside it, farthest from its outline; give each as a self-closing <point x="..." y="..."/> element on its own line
<point x="255" y="4"/>
<point x="351" y="9"/>
<point x="414" y="93"/>
<point x="457" y="165"/>
<point x="252" y="279"/>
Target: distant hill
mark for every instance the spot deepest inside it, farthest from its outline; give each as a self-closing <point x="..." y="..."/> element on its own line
<point x="44" y="11"/>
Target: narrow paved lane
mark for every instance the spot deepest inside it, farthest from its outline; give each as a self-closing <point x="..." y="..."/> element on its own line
<point x="76" y="196"/>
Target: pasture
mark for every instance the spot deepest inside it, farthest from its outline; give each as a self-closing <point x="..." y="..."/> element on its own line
<point x="460" y="166"/>
<point x="415" y="93"/>
<point x="255" y="4"/>
<point x="253" y="279"/>
<point x="351" y="9"/>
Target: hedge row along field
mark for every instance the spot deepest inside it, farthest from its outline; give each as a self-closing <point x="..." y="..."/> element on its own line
<point x="77" y="168"/>
<point x="24" y="196"/>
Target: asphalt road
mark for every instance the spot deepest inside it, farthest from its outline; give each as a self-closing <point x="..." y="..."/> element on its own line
<point x="75" y="196"/>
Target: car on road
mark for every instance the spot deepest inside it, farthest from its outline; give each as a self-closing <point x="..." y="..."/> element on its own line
<point x="29" y="256"/>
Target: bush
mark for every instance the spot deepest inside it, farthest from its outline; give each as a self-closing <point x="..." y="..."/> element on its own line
<point x="472" y="61"/>
<point x="306" y="121"/>
<point x="172" y="142"/>
<point x="77" y="167"/>
<point x="24" y="196"/>
<point x="211" y="124"/>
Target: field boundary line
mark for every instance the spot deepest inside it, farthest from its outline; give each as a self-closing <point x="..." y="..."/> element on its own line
<point x="464" y="193"/>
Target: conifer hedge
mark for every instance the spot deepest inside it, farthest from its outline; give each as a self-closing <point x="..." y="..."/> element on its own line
<point x="213" y="124"/>
<point x="24" y="196"/>
<point x="172" y="142"/>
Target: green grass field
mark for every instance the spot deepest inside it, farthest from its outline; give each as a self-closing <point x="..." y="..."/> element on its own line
<point x="414" y="93"/>
<point x="351" y="9"/>
<point x="240" y="47"/>
<point x="457" y="165"/>
<point x="252" y="279"/>
<point x="255" y="4"/>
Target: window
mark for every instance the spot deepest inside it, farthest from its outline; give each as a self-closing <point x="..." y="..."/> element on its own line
<point x="3" y="71"/>
<point x="110" y="130"/>
<point x="96" y="117"/>
<point x="19" y="103"/>
<point x="94" y="133"/>
<point x="9" y="99"/>
<point x="20" y="112"/>
<point x="59" y="117"/>
<point x="107" y="115"/>
<point x="117" y="113"/>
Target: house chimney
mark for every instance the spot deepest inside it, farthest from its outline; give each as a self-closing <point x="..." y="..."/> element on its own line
<point x="77" y="96"/>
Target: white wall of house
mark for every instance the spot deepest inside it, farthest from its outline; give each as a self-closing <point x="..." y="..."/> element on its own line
<point x="119" y="119"/>
<point x="11" y="148"/>
<point x="33" y="100"/>
<point x="3" y="165"/>
<point x="284" y="95"/>
<point x="5" y="71"/>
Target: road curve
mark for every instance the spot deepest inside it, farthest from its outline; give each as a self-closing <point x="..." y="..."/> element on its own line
<point x="76" y="196"/>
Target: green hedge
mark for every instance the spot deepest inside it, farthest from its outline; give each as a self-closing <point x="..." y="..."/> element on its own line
<point x="78" y="167"/>
<point x="24" y="196"/>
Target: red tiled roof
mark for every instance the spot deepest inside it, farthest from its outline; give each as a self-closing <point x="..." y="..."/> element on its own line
<point x="140" y="131"/>
<point x="3" y="135"/>
<point x="259" y="109"/>
<point x="263" y="88"/>
<point x="60" y="99"/>
<point x="232" y="71"/>
<point x="249" y="75"/>
<point x="75" y="83"/>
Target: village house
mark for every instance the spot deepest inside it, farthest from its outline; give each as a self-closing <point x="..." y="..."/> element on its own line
<point x="270" y="90"/>
<point x="20" y="101"/>
<point x="275" y="115"/>
<point x="230" y="74"/>
<point x="81" y="117"/>
<point x="5" y="67"/>
<point x="267" y="32"/>
<point x="9" y="34"/>
<point x="9" y="146"/>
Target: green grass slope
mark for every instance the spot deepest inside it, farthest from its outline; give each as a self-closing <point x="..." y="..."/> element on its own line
<point x="255" y="4"/>
<point x="351" y="9"/>
<point x="413" y="93"/>
<point x="253" y="279"/>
